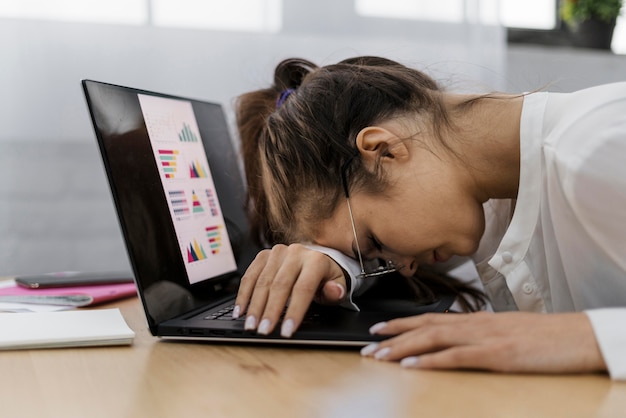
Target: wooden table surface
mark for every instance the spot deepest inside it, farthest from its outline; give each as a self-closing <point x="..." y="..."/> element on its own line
<point x="154" y="378"/>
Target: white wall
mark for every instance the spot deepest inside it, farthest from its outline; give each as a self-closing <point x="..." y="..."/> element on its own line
<point x="56" y="212"/>
<point x="44" y="62"/>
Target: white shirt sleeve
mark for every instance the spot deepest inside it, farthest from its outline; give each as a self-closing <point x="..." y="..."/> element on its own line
<point x="350" y="266"/>
<point x="609" y="326"/>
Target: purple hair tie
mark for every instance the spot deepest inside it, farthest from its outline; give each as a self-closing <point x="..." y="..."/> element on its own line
<point x="283" y="97"/>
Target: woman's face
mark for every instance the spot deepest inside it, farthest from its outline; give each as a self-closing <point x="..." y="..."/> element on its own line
<point x="427" y="214"/>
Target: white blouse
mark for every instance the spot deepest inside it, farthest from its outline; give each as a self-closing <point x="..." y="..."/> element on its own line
<point x="561" y="246"/>
<point x="565" y="247"/>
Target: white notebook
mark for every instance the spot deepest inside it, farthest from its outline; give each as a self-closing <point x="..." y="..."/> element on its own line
<point x="76" y="328"/>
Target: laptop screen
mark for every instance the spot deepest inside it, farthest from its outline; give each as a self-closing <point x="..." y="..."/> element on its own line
<point x="178" y="191"/>
<point x="189" y="189"/>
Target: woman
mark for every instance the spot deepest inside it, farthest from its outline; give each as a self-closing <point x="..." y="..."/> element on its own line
<point x="368" y="159"/>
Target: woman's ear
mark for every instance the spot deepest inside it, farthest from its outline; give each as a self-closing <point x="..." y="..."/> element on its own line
<point x="376" y="142"/>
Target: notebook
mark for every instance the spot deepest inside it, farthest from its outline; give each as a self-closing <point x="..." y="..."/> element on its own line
<point x="64" y="329"/>
<point x="177" y="187"/>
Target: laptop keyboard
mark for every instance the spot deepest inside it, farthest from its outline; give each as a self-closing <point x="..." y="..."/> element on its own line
<point x="226" y="314"/>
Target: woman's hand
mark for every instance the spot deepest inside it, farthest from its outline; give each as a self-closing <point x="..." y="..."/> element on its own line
<point x="505" y="342"/>
<point x="293" y="273"/>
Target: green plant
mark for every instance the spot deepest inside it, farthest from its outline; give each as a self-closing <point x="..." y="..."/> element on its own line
<point x="579" y="10"/>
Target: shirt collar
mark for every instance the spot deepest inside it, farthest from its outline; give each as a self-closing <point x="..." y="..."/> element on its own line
<point x="516" y="240"/>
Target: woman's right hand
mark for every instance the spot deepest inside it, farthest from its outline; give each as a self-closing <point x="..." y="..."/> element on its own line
<point x="291" y="273"/>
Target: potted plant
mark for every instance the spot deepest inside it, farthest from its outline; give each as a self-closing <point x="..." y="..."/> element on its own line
<point x="591" y="21"/>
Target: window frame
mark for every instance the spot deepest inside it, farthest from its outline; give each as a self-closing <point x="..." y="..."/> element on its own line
<point x="559" y="36"/>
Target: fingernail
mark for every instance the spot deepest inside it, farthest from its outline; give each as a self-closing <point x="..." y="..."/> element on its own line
<point x="342" y="291"/>
<point x="377" y="327"/>
<point x="369" y="349"/>
<point x="286" y="330"/>
<point x="382" y="353"/>
<point x="236" y="311"/>
<point x="409" y="362"/>
<point x="250" y="323"/>
<point x="264" y="327"/>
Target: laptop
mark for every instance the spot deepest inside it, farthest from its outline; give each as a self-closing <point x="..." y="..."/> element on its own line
<point x="176" y="183"/>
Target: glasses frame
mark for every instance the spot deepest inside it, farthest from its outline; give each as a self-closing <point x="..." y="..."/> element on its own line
<point x="389" y="267"/>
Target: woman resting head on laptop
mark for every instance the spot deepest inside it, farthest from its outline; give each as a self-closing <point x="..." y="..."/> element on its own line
<point x="370" y="160"/>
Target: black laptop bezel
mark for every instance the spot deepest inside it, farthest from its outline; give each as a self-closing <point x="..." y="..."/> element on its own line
<point x="169" y="270"/>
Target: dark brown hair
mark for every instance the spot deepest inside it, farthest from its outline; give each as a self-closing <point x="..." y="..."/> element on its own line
<point x="297" y="134"/>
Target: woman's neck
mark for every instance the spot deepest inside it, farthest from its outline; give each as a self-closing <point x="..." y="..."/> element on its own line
<point x="488" y="133"/>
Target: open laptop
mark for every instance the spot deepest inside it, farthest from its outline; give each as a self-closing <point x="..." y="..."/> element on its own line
<point x="179" y="195"/>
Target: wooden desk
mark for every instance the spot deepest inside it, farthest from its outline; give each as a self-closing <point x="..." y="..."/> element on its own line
<point x="156" y="379"/>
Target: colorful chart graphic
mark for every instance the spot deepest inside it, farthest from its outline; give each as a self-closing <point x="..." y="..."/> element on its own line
<point x="187" y="135"/>
<point x="179" y="202"/>
<point x="167" y="158"/>
<point x="214" y="236"/>
<point x="212" y="202"/>
<point x="195" y="252"/>
<point x="196" y="171"/>
<point x="197" y="206"/>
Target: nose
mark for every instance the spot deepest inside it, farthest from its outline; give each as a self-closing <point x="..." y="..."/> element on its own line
<point x="407" y="266"/>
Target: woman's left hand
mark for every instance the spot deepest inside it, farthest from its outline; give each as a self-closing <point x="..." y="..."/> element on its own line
<point x="505" y="342"/>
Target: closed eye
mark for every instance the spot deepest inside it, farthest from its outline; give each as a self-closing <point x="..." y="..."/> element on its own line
<point x="375" y="243"/>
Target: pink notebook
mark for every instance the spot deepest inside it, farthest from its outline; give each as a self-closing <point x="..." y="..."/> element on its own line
<point x="69" y="296"/>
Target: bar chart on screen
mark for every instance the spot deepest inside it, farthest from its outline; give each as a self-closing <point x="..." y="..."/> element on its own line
<point x="214" y="235"/>
<point x="168" y="160"/>
<point x="195" y="252"/>
<point x="197" y="171"/>
<point x="195" y="202"/>
<point x="187" y="135"/>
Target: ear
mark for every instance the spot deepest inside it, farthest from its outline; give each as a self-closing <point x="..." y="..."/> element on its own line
<point x="376" y="142"/>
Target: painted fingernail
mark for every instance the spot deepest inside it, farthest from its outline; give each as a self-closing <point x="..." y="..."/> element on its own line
<point x="382" y="353"/>
<point x="342" y="291"/>
<point x="409" y="362"/>
<point x="236" y="311"/>
<point x="250" y="323"/>
<point x="264" y="327"/>
<point x="377" y="327"/>
<point x="369" y="349"/>
<point x="286" y="330"/>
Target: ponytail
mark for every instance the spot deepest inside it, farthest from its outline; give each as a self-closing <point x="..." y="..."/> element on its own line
<point x="252" y="112"/>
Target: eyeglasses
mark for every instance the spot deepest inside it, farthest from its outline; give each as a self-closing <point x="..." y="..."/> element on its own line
<point x="377" y="269"/>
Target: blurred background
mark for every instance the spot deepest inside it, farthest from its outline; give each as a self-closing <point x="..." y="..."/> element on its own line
<point x="56" y="211"/>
